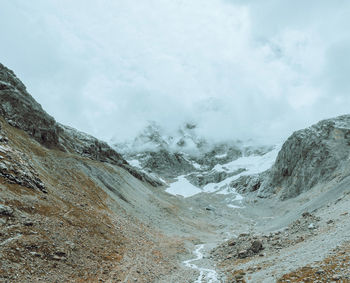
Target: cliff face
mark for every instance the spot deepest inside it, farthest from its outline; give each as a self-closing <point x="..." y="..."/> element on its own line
<point x="309" y="157"/>
<point x="20" y="110"/>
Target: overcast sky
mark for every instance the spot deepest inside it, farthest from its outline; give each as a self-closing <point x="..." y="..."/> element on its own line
<point x="239" y="69"/>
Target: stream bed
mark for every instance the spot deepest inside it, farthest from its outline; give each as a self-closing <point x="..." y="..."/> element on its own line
<point x="206" y="275"/>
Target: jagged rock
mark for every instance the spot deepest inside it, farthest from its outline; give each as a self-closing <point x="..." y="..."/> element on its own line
<point x="165" y="163"/>
<point x="142" y="176"/>
<point x="3" y="139"/>
<point x="314" y="155"/>
<point x="203" y="178"/>
<point x="243" y="254"/>
<point x="306" y="214"/>
<point x="309" y="157"/>
<point x="20" y="110"/>
<point x="19" y="170"/>
<point x="256" y="246"/>
<point x="220" y="153"/>
<point x="249" y="183"/>
<point x="86" y="145"/>
<point x="6" y="210"/>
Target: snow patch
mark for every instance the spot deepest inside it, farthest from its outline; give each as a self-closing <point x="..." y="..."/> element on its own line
<point x="221" y="156"/>
<point x="253" y="164"/>
<point x="234" y="206"/>
<point x="183" y="187"/>
<point x="135" y="163"/>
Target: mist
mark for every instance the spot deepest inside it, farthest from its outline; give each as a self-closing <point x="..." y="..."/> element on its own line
<point x="238" y="69"/>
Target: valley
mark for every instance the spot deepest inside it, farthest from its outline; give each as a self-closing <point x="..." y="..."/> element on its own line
<point x="168" y="208"/>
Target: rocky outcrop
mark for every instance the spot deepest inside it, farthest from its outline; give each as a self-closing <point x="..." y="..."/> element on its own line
<point x="203" y="178"/>
<point x="309" y="157"/>
<point x="314" y="155"/>
<point x="85" y="145"/>
<point x="165" y="163"/>
<point x="16" y="167"/>
<point x="20" y="110"/>
<point x="249" y="183"/>
<point x="220" y="153"/>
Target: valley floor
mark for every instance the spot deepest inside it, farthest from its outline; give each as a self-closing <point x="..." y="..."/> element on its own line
<point x="305" y="239"/>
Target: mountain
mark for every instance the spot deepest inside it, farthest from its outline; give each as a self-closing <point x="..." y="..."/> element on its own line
<point x="310" y="157"/>
<point x="185" y="154"/>
<point x="168" y="207"/>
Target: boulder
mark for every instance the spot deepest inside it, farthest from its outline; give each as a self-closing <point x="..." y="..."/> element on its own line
<point x="256" y="246"/>
<point x="5" y="210"/>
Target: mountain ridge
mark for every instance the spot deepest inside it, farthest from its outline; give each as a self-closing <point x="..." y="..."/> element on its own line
<point x="20" y="110"/>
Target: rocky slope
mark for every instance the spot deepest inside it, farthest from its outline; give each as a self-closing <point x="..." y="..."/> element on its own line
<point x="309" y="157"/>
<point x="71" y="208"/>
<point x="20" y="110"/>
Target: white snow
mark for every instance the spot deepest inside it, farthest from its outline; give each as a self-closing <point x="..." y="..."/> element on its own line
<point x="234" y="206"/>
<point x="221" y="155"/>
<point x="135" y="163"/>
<point x="183" y="187"/>
<point x="196" y="165"/>
<point x="252" y="164"/>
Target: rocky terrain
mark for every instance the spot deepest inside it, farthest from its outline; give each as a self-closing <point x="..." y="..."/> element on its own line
<point x="71" y="208"/>
<point x="309" y="157"/>
<point x="168" y="207"/>
<point x="185" y="153"/>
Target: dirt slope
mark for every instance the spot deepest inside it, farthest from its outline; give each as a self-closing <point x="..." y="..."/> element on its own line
<point x="73" y="229"/>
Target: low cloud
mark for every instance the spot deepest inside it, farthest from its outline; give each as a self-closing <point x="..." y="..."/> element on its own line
<point x="240" y="69"/>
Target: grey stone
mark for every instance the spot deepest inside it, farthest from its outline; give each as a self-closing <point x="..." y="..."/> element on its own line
<point x="256" y="246"/>
<point x="243" y="254"/>
<point x="6" y="210"/>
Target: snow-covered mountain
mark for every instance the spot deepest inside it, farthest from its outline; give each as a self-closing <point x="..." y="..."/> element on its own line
<point x="190" y="164"/>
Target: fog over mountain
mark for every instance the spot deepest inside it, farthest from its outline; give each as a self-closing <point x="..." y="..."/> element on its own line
<point x="238" y="69"/>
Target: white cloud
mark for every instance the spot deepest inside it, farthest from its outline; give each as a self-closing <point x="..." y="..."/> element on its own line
<point x="239" y="68"/>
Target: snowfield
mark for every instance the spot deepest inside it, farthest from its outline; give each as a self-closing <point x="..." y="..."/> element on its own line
<point x="183" y="188"/>
<point x="252" y="164"/>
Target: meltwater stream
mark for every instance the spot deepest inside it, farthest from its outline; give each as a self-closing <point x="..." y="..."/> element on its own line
<point x="208" y="275"/>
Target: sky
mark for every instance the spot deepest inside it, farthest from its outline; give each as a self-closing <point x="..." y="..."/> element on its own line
<point x="237" y="68"/>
